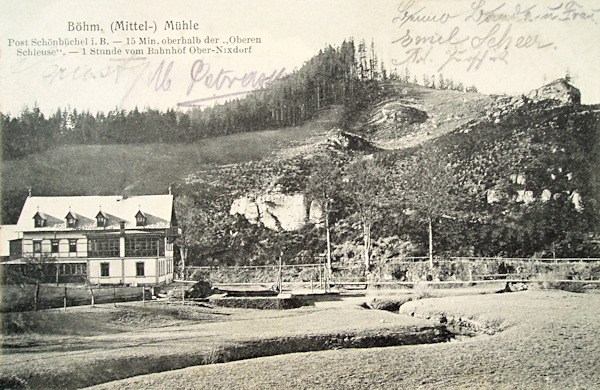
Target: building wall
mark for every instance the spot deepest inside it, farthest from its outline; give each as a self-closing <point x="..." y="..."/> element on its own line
<point x="115" y="267"/>
<point x="63" y="243"/>
<point x="122" y="270"/>
<point x="16" y="249"/>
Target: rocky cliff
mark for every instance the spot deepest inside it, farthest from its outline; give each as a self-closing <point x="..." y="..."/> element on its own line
<point x="277" y="211"/>
<point x="559" y="90"/>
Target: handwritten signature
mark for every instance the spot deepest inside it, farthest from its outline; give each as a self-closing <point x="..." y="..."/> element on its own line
<point x="570" y="11"/>
<point x="483" y="32"/>
<point x="495" y="44"/>
<point x="201" y="73"/>
<point x="139" y="70"/>
<point x="406" y="14"/>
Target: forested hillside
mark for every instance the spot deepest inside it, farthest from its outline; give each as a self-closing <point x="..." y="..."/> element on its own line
<point x="383" y="167"/>
<point x="487" y="176"/>
<point x="328" y="78"/>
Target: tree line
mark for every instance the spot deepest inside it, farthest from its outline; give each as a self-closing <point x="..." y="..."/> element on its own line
<point x="433" y="81"/>
<point x="336" y="75"/>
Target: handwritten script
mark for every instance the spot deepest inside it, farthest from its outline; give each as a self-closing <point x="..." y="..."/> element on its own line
<point x="223" y="79"/>
<point x="485" y="32"/>
<point x="138" y="71"/>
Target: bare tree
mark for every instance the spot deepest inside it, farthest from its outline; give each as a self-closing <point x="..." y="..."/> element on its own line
<point x="323" y="187"/>
<point x="366" y="187"/>
<point x="427" y="185"/>
<point x="193" y="221"/>
<point x="40" y="268"/>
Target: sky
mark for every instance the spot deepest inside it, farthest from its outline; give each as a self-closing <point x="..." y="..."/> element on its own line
<point x="502" y="47"/>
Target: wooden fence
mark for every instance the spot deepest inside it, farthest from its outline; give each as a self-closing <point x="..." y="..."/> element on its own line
<point x="408" y="270"/>
<point x="25" y="297"/>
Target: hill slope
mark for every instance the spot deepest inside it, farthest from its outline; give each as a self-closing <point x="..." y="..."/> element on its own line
<point x="523" y="168"/>
<point x="141" y="169"/>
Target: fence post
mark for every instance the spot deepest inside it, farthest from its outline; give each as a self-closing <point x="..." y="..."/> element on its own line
<point x="115" y="295"/>
<point x="92" y="292"/>
<point x="320" y="276"/>
<point x="470" y="271"/>
<point x="280" y="273"/>
<point x="326" y="273"/>
<point x="65" y="299"/>
<point x="36" y="297"/>
<point x="182" y="295"/>
<point x="143" y="296"/>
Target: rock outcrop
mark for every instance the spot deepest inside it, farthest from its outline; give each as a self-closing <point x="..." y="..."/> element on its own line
<point x="277" y="211"/>
<point x="556" y="93"/>
<point x="559" y="90"/>
<point x="344" y="141"/>
<point x="398" y="112"/>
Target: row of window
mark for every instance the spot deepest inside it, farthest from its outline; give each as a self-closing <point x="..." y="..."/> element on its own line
<point x="134" y="247"/>
<point x="37" y="245"/>
<point x="71" y="221"/>
<point x="103" y="247"/>
<point x="73" y="269"/>
<point x="144" y="247"/>
<point x="110" y="247"/>
<point x="163" y="267"/>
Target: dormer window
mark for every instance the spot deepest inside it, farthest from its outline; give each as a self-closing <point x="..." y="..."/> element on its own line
<point x="140" y="219"/>
<point x="101" y="220"/>
<point x="39" y="220"/>
<point x="71" y="220"/>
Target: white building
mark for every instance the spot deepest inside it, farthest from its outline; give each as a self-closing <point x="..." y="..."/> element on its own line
<point x="99" y="239"/>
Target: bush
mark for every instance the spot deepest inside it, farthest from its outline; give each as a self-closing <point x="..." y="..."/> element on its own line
<point x="388" y="304"/>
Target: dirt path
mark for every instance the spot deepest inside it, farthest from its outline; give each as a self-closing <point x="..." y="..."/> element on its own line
<point x="549" y="339"/>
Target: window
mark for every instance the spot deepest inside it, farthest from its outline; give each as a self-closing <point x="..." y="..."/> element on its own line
<point x="39" y="221"/>
<point x="144" y="246"/>
<point x="140" y="219"/>
<point x="101" y="220"/>
<point x="73" y="245"/>
<point x="139" y="268"/>
<point x="104" y="267"/>
<point x="54" y="246"/>
<point x="37" y="247"/>
<point x="71" y="220"/>
<point x="103" y="247"/>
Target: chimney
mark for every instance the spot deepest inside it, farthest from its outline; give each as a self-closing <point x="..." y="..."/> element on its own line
<point x="128" y="191"/>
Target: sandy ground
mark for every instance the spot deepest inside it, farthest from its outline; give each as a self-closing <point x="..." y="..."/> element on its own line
<point x="542" y="340"/>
